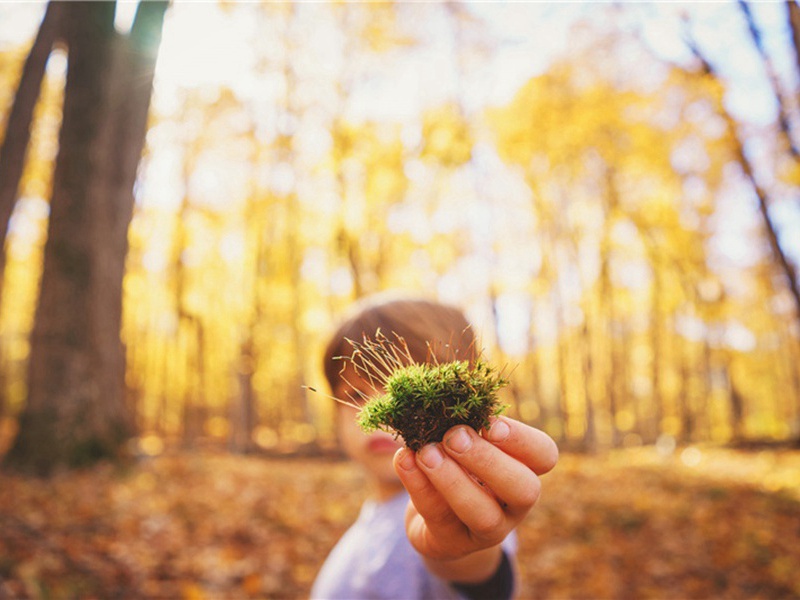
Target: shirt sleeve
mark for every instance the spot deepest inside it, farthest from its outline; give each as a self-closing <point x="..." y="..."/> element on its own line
<point x="499" y="586"/>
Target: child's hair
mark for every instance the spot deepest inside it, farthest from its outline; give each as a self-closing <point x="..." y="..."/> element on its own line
<point x="432" y="332"/>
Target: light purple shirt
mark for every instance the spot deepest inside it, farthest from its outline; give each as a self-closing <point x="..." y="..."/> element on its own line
<point x="375" y="560"/>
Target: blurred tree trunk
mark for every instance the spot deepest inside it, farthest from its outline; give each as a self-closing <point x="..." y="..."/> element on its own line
<point x="590" y="433"/>
<point x="561" y="362"/>
<point x="792" y="357"/>
<point x="613" y="331"/>
<point x="242" y="409"/>
<point x="609" y="313"/>
<point x="189" y="323"/>
<point x="736" y="401"/>
<point x="628" y="401"/>
<point x="706" y="386"/>
<point x="76" y="411"/>
<point x="685" y="391"/>
<point x="533" y="355"/>
<point x="297" y="401"/>
<point x="653" y="428"/>
<point x="296" y="392"/>
<point x="20" y="117"/>
<point x="195" y="406"/>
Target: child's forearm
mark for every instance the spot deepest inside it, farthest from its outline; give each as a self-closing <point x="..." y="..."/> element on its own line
<point x="472" y="568"/>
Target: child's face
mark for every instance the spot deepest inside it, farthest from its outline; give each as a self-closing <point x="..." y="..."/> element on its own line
<point x="374" y="451"/>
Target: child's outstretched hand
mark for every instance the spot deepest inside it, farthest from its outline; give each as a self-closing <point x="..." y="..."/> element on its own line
<point x="470" y="491"/>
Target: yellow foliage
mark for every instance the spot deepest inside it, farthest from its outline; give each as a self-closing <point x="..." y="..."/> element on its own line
<point x="282" y="211"/>
<point x="446" y="135"/>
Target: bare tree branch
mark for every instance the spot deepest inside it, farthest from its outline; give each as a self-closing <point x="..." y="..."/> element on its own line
<point x="794" y="25"/>
<point x="772" y="75"/>
<point x="763" y="197"/>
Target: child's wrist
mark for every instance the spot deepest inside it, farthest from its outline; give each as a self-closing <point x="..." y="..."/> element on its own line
<point x="469" y="569"/>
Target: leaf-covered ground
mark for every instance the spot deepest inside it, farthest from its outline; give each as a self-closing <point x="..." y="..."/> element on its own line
<point x="707" y="523"/>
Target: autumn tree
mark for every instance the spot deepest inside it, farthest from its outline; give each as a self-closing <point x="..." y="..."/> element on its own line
<point x="76" y="411"/>
<point x="295" y="190"/>
<point x="606" y="175"/>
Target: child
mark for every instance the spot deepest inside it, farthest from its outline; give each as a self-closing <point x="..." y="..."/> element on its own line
<point x="439" y="522"/>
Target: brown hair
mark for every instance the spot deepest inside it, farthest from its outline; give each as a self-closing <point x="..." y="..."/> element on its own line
<point x="433" y="332"/>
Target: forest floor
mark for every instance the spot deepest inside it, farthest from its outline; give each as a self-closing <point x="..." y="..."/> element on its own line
<point x="701" y="523"/>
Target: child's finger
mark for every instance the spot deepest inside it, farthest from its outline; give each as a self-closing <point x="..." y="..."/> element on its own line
<point x="435" y="513"/>
<point x="528" y="445"/>
<point x="419" y="486"/>
<point x="513" y="483"/>
<point x="426" y="498"/>
<point x="472" y="504"/>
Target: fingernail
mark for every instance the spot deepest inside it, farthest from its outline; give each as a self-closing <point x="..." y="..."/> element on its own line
<point x="406" y="460"/>
<point x="459" y="440"/>
<point x="431" y="456"/>
<point x="498" y="431"/>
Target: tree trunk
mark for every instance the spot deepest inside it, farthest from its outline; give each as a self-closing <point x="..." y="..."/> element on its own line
<point x="242" y="408"/>
<point x="685" y="394"/>
<point x="590" y="433"/>
<point x="537" y="391"/>
<point x="76" y="410"/>
<point x="18" y="127"/>
<point x="736" y="402"/>
<point x="609" y="313"/>
<point x="653" y="427"/>
<point x="792" y="357"/>
<point x="195" y="406"/>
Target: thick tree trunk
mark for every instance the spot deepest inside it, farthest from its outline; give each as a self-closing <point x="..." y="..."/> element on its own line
<point x="76" y="411"/>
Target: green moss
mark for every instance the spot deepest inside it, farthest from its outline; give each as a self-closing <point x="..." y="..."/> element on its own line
<point x="423" y="401"/>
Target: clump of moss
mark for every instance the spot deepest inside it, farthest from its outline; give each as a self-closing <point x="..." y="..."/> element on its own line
<point x="422" y="401"/>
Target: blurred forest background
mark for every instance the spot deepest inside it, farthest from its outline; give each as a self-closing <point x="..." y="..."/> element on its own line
<point x="191" y="195"/>
<point x="611" y="192"/>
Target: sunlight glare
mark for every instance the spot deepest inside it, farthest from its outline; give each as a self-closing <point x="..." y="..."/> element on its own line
<point x="124" y="15"/>
<point x="341" y="282"/>
<point x="232" y="247"/>
<point x="203" y="44"/>
<point x="57" y="64"/>
<point x="513" y="323"/>
<point x="19" y="21"/>
<point x="665" y="445"/>
<point x="691" y="456"/>
<point x="739" y="337"/>
<point x="155" y="260"/>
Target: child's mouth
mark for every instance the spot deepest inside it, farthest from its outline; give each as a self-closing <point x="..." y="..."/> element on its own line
<point x="382" y="445"/>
